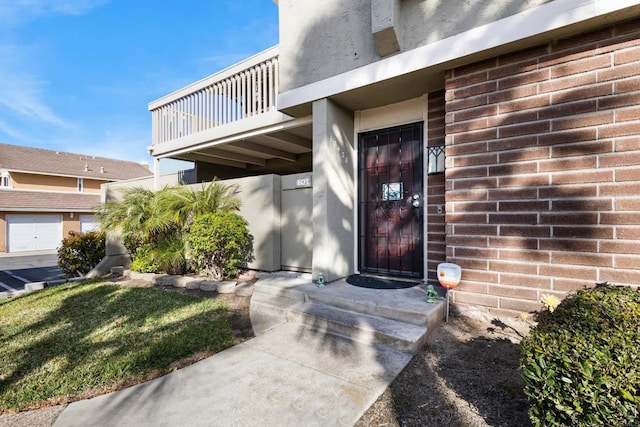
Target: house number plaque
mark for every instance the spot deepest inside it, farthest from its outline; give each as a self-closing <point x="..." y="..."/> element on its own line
<point x="304" y="181"/>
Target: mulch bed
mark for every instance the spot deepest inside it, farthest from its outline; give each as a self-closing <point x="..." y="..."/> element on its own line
<point x="466" y="376"/>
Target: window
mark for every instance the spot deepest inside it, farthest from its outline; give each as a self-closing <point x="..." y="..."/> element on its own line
<point x="4" y="180"/>
<point x="80" y="185"/>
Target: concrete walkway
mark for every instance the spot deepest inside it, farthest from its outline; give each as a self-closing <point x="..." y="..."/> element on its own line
<point x="288" y="376"/>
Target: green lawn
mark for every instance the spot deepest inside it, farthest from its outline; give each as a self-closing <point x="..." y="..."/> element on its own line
<point x="78" y="340"/>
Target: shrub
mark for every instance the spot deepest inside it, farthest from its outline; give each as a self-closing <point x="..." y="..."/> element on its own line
<point x="131" y="243"/>
<point x="580" y="363"/>
<point x="161" y="218"/>
<point x="220" y="244"/>
<point x="80" y="252"/>
<point x="143" y="260"/>
<point x="166" y="256"/>
<point x="169" y="255"/>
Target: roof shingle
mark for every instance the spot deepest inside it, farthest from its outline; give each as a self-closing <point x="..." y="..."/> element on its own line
<point x="16" y="200"/>
<point x="17" y="157"/>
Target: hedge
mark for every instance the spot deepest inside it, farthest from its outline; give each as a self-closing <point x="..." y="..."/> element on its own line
<point x="580" y="363"/>
<point x="80" y="252"/>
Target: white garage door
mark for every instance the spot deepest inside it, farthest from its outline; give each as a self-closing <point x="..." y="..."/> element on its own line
<point x="88" y="223"/>
<point x="33" y="232"/>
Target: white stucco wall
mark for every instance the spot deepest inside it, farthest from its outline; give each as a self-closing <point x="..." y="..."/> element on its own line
<point x="260" y="196"/>
<point x="322" y="39"/>
<point x="333" y="191"/>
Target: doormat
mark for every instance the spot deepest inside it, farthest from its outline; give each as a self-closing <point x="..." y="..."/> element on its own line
<point x="378" y="282"/>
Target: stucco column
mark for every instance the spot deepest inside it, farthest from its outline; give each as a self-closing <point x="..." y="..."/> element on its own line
<point x="334" y="191"/>
<point x="115" y="255"/>
<point x="156" y="173"/>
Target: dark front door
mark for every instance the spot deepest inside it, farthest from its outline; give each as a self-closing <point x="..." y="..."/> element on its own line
<point x="390" y="197"/>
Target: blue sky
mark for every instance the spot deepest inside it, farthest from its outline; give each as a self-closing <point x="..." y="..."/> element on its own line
<point x="77" y="75"/>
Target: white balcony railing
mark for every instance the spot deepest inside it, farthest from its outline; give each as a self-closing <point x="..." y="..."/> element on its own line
<point x="244" y="90"/>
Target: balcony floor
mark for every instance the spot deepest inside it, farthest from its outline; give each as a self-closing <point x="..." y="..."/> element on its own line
<point x="261" y="143"/>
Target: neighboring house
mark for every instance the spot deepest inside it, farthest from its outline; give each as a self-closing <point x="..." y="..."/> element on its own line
<point x="44" y="194"/>
<point x="534" y="103"/>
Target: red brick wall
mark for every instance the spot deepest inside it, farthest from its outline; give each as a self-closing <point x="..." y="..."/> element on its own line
<point x="436" y="252"/>
<point x="543" y="169"/>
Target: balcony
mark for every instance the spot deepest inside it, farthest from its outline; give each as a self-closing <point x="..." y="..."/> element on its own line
<point x="230" y="118"/>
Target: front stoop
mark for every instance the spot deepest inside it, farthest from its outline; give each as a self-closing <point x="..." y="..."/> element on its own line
<point x="398" y="318"/>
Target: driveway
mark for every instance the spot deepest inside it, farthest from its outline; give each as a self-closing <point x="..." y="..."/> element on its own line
<point x="16" y="270"/>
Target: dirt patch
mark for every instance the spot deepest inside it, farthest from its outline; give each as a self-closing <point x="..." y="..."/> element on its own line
<point x="466" y="376"/>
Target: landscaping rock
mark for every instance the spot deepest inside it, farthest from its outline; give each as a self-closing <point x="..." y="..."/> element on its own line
<point x="226" y="287"/>
<point x="126" y="273"/>
<point x="151" y="278"/>
<point x="184" y="282"/>
<point x="168" y="280"/>
<point x="209" y="286"/>
<point x="134" y="275"/>
<point x="117" y="271"/>
<point x="194" y="283"/>
<point x="180" y="282"/>
<point x="247" y="276"/>
<point x="244" y="289"/>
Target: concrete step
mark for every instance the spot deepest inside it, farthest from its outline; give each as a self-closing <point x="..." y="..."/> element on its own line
<point x="267" y="311"/>
<point x="273" y="304"/>
<point x="375" y="303"/>
<point x="399" y="318"/>
<point x="293" y="288"/>
<point x="404" y="305"/>
<point x="361" y="327"/>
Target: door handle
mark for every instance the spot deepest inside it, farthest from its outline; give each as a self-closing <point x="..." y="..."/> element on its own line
<point x="416" y="201"/>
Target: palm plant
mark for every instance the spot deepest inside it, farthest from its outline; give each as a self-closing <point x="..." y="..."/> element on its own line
<point x="129" y="215"/>
<point x="158" y="220"/>
<point x="169" y="254"/>
<point x="184" y="204"/>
